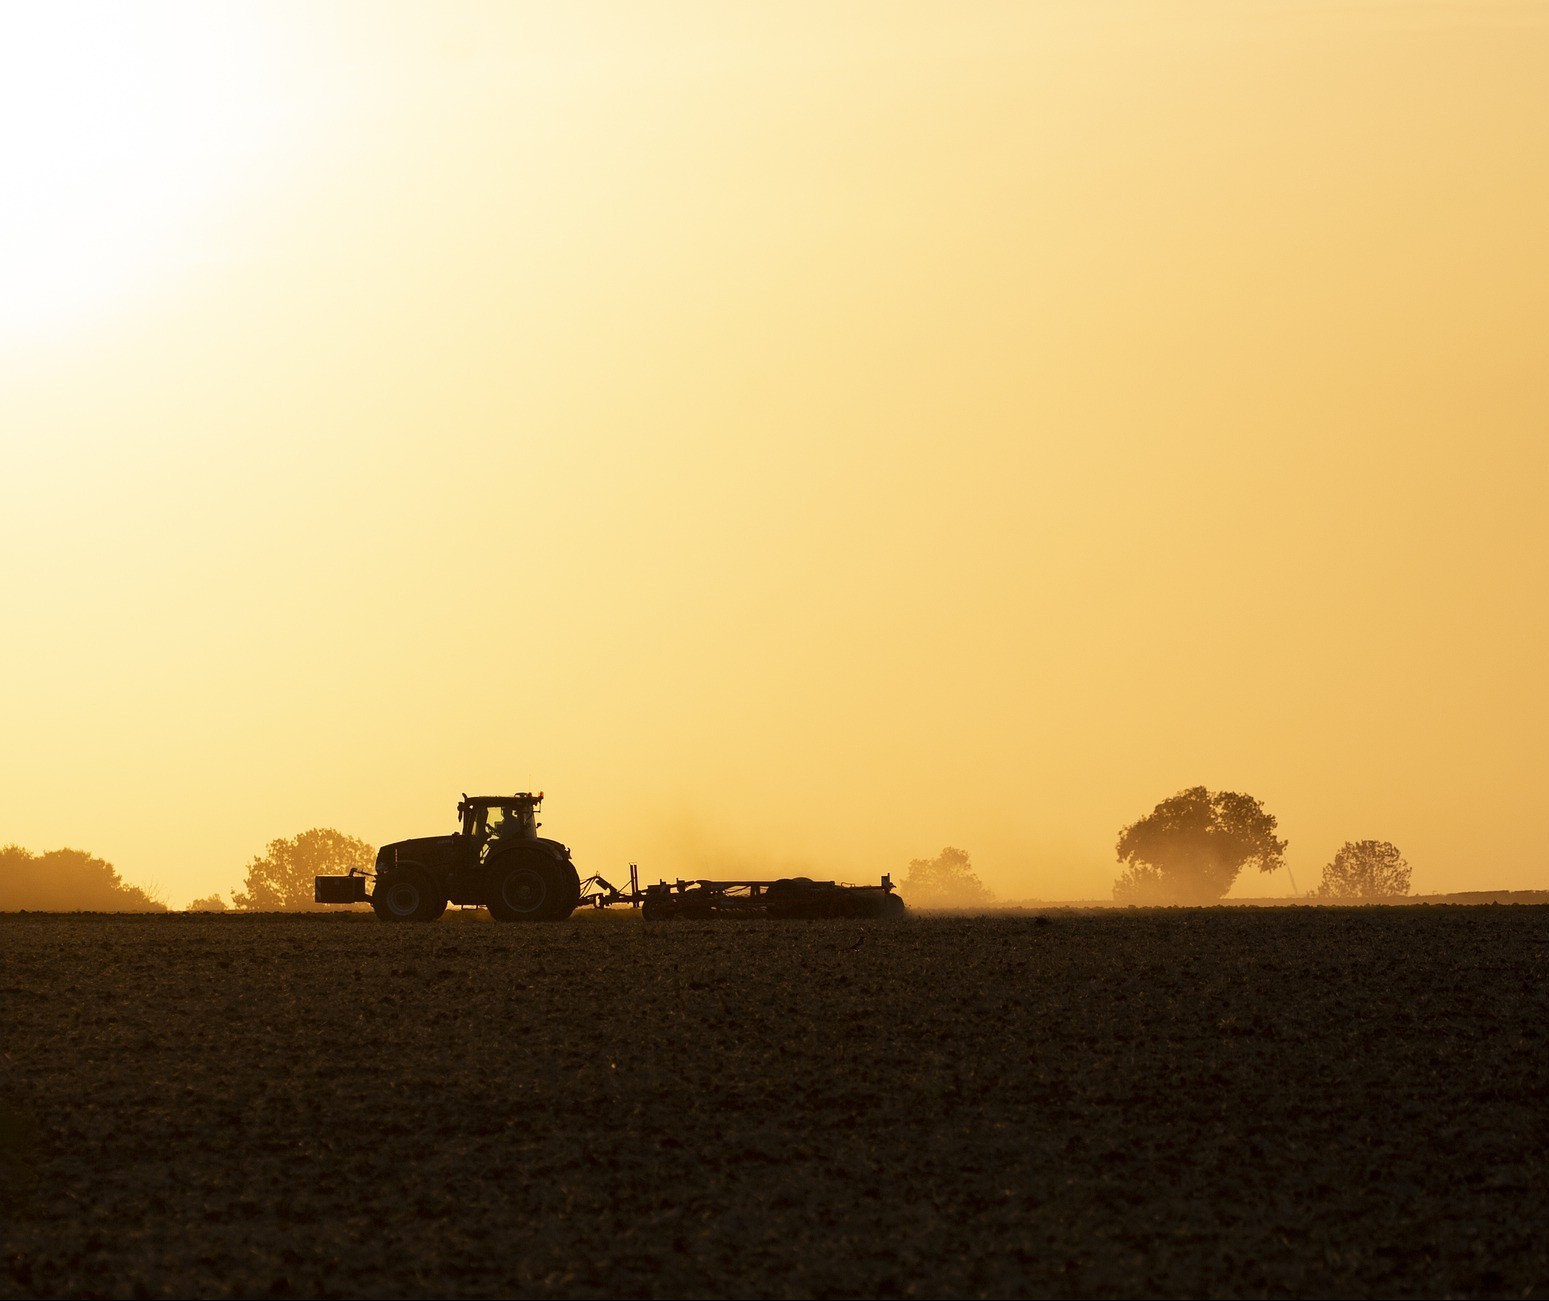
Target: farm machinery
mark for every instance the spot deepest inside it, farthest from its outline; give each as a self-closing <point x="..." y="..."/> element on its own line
<point x="497" y="860"/>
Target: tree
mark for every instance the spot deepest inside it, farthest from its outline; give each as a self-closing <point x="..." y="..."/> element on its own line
<point x="946" y="881"/>
<point x="1190" y="848"/>
<point x="67" y="880"/>
<point x="1365" y="869"/>
<point x="280" y="879"/>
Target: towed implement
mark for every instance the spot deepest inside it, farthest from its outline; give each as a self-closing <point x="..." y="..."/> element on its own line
<point x="790" y="897"/>
<point x="497" y="860"/>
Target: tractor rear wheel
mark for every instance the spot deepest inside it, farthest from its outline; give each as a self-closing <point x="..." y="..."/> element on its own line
<point x="533" y="888"/>
<point x="570" y="888"/>
<point x="407" y="895"/>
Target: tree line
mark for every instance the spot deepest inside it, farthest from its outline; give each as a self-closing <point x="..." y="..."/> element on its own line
<point x="1190" y="849"/>
<point x="277" y="880"/>
<point x="68" y="880"/>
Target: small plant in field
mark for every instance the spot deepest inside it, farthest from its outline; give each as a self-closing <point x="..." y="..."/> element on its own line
<point x="946" y="881"/>
<point x="280" y="879"/>
<point x="1366" y="869"/>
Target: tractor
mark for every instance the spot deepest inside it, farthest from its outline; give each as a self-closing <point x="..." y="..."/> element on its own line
<point x="497" y="860"/>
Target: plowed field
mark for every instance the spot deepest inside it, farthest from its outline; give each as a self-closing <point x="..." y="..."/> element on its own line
<point x="1230" y="1102"/>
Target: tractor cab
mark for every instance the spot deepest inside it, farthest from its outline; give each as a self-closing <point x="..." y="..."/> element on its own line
<point x="498" y="820"/>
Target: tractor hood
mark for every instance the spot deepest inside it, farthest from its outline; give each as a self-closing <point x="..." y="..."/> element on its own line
<point x="419" y="850"/>
<point x="427" y="850"/>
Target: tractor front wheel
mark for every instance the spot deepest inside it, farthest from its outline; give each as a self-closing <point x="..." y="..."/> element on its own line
<point x="407" y="895"/>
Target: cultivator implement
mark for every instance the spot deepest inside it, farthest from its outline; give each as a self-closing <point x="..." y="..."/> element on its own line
<point x="792" y="897"/>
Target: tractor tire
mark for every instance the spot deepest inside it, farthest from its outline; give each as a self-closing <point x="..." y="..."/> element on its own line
<point x="407" y="895"/>
<point x="893" y="907"/>
<point x="532" y="888"/>
<point x="572" y="888"/>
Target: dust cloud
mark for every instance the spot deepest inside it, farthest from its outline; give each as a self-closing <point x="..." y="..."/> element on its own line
<point x="689" y="847"/>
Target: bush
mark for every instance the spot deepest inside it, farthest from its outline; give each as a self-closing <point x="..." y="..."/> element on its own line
<point x="946" y="881"/>
<point x="211" y="903"/>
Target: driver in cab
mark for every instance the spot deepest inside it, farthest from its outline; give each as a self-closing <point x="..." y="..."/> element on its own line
<point x="504" y="826"/>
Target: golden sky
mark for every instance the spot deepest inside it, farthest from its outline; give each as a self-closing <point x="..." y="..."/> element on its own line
<point x="798" y="435"/>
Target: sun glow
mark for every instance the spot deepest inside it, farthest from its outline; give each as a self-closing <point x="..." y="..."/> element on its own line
<point x="121" y="130"/>
<point x="805" y="435"/>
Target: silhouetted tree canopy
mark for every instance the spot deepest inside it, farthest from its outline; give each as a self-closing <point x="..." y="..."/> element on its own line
<point x="1190" y="848"/>
<point x="946" y="881"/>
<point x="280" y="879"/>
<point x="1366" y="869"/>
<point x="67" y="880"/>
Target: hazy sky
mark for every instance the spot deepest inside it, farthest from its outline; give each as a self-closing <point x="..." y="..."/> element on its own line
<point x="789" y="435"/>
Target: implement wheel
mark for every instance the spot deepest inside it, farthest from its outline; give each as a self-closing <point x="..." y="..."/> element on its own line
<point x="407" y="895"/>
<point x="793" y="897"/>
<point x="533" y="888"/>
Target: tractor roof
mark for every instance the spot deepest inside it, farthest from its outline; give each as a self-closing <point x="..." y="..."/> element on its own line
<point x="519" y="797"/>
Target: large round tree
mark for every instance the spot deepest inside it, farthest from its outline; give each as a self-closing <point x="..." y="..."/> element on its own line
<point x="1190" y="848"/>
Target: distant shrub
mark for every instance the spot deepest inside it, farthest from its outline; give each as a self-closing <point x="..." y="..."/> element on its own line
<point x="211" y="903"/>
<point x="1365" y="869"/>
<point x="67" y="880"/>
<point x="946" y="881"/>
<point x="280" y="879"/>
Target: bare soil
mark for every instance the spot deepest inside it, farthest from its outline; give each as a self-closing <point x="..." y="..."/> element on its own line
<point x="1227" y="1102"/>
